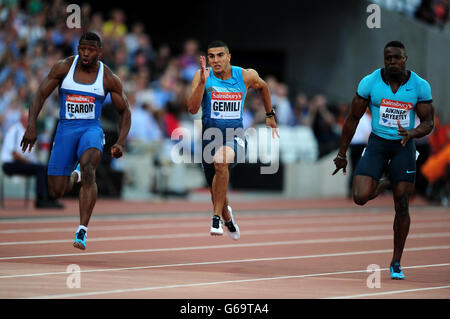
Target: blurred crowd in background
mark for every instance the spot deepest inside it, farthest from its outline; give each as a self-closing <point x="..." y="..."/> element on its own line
<point x="432" y="12"/>
<point x="34" y="36"/>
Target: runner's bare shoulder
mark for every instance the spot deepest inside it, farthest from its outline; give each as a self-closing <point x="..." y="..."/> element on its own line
<point x="110" y="80"/>
<point x="61" y="68"/>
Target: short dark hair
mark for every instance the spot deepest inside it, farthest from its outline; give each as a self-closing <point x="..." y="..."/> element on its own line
<point x="91" y="36"/>
<point x="218" y="44"/>
<point x="395" y="44"/>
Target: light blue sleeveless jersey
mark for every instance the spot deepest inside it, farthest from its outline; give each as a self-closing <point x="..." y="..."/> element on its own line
<point x="223" y="101"/>
<point x="387" y="107"/>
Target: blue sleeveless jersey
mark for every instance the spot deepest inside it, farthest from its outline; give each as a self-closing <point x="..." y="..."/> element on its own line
<point x="387" y="107"/>
<point x="81" y="103"/>
<point x="223" y="101"/>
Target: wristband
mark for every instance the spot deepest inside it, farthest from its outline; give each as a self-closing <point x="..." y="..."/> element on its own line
<point x="341" y="157"/>
<point x="270" y="114"/>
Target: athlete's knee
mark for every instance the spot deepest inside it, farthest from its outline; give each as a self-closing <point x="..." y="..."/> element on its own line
<point x="87" y="173"/>
<point x="359" y="197"/>
<point x="402" y="205"/>
<point x="360" y="200"/>
<point x="402" y="192"/>
<point x="56" y="192"/>
<point x="362" y="190"/>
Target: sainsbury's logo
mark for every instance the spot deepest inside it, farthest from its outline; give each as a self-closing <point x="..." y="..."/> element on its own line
<point x="79" y="98"/>
<point x="235" y="96"/>
<point x="397" y="104"/>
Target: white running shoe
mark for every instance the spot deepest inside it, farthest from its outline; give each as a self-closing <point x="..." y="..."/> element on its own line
<point x="216" y="226"/>
<point x="231" y="226"/>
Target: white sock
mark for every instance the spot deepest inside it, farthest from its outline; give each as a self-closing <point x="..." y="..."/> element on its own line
<point x="79" y="176"/>
<point x="82" y="227"/>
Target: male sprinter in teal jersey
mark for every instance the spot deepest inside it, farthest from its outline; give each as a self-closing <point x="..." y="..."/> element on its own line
<point x="395" y="95"/>
<point x="221" y="94"/>
<point x="83" y="83"/>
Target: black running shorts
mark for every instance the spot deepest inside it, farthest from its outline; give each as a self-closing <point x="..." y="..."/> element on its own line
<point x="239" y="145"/>
<point x="383" y="155"/>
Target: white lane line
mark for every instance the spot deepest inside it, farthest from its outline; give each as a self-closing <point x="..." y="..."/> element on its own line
<point x="201" y="223"/>
<point x="234" y="246"/>
<point x="119" y="291"/>
<point x="339" y="254"/>
<point x="245" y="233"/>
<point x="247" y="213"/>
<point x="163" y="225"/>
<point x="389" y="292"/>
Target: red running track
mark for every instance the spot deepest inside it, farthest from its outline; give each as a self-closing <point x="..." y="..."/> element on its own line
<point x="289" y="249"/>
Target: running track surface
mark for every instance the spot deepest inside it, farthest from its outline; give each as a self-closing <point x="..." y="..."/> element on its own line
<point x="289" y="249"/>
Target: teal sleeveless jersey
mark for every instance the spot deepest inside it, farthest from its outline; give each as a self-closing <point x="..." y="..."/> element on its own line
<point x="387" y="107"/>
<point x="223" y="101"/>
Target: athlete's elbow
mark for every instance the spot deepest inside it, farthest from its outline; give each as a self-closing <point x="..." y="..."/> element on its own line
<point x="124" y="114"/>
<point x="427" y="128"/>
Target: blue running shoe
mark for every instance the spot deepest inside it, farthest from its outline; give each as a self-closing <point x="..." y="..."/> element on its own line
<point x="396" y="271"/>
<point x="80" y="239"/>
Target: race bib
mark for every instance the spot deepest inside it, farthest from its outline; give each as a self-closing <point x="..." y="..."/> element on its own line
<point x="226" y="105"/>
<point x="392" y="111"/>
<point x="80" y="107"/>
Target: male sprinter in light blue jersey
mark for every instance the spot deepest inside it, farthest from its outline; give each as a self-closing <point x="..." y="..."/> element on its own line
<point x="395" y="95"/>
<point x="221" y="94"/>
<point x="83" y="81"/>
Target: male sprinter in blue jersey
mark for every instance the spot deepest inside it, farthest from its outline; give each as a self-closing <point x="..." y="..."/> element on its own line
<point x="221" y="94"/>
<point x="395" y="95"/>
<point x="83" y="81"/>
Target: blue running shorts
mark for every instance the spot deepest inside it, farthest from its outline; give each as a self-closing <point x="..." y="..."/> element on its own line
<point x="71" y="141"/>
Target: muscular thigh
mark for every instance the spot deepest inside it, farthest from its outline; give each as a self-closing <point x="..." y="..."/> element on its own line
<point x="91" y="137"/>
<point x="63" y="157"/>
<point x="363" y="186"/>
<point x="373" y="161"/>
<point x="402" y="167"/>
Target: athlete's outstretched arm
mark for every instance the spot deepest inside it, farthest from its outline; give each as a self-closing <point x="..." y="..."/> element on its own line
<point x="253" y="80"/>
<point x="122" y="107"/>
<point x="357" y="110"/>
<point x="51" y="81"/>
<point x="198" y="87"/>
<point x="425" y="112"/>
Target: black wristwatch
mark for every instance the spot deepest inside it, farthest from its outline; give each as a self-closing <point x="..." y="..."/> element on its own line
<point x="270" y="114"/>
